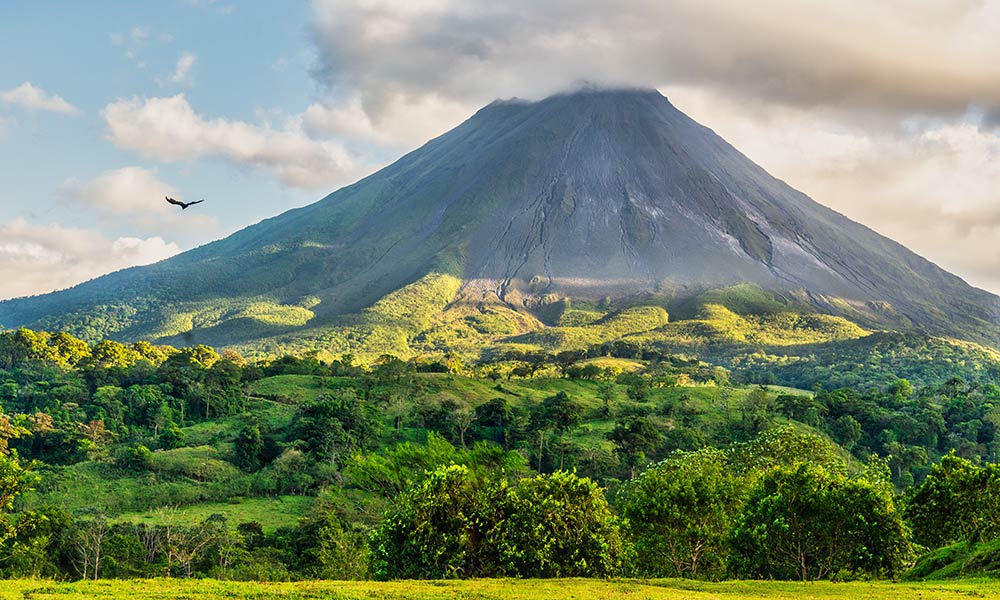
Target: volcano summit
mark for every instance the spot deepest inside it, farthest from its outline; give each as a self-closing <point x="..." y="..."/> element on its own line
<point x="593" y="195"/>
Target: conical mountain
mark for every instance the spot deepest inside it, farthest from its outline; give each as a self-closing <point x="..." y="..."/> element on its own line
<point x="593" y="194"/>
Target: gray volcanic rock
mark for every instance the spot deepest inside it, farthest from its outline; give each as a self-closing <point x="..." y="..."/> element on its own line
<point x="590" y="194"/>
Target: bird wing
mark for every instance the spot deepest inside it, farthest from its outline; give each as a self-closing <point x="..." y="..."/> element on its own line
<point x="172" y="201"/>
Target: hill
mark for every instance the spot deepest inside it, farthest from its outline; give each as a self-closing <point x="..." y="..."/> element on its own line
<point x="607" y="198"/>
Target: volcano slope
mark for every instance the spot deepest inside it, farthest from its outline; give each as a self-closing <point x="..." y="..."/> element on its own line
<point x="594" y="208"/>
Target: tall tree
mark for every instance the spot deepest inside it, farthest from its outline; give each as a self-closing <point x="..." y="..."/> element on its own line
<point x="680" y="512"/>
<point x="805" y="522"/>
<point x="634" y="436"/>
<point x="957" y="501"/>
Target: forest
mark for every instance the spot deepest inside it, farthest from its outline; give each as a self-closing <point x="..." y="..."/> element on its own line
<point x="140" y="460"/>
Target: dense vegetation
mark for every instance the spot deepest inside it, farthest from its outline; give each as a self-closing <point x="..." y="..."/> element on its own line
<point x="619" y="459"/>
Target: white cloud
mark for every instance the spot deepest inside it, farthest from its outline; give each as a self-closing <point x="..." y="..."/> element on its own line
<point x="136" y="40"/>
<point x="934" y="56"/>
<point x="133" y="195"/>
<point x="140" y="34"/>
<point x="182" y="71"/>
<point x="31" y="97"/>
<point x="169" y="129"/>
<point x="183" y="67"/>
<point x="40" y="258"/>
<point x="408" y="121"/>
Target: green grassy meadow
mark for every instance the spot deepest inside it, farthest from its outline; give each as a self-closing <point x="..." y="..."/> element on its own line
<point x="505" y="589"/>
<point x="271" y="513"/>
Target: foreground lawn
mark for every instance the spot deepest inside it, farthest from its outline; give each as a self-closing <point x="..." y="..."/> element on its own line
<point x="512" y="589"/>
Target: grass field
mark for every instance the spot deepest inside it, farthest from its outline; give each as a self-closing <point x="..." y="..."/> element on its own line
<point x="504" y="589"/>
<point x="271" y="513"/>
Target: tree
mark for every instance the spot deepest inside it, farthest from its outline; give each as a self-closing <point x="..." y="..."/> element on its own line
<point x="806" y="522"/>
<point x="607" y="392"/>
<point x="329" y="548"/>
<point x="205" y="355"/>
<point x="133" y="457"/>
<point x="565" y="359"/>
<point x="456" y="523"/>
<point x="172" y="436"/>
<point x="398" y="407"/>
<point x="902" y="457"/>
<point x="88" y="542"/>
<point x="389" y="368"/>
<point x="142" y="404"/>
<point x="847" y="431"/>
<point x="68" y="350"/>
<point x="438" y="529"/>
<point x="496" y="415"/>
<point x="290" y="472"/>
<point x="902" y="389"/>
<point x="634" y="436"/>
<point x="680" y="512"/>
<point x="957" y="501"/>
<point x="501" y="422"/>
<point x="109" y="400"/>
<point x="557" y="413"/>
<point x="335" y="425"/>
<point x="756" y="412"/>
<point x="247" y="447"/>
<point x="109" y="353"/>
<point x="185" y="544"/>
<point x="463" y="418"/>
<point x="94" y="439"/>
<point x="42" y="543"/>
<point x="803" y="408"/>
<point x="784" y="446"/>
<point x="14" y="480"/>
<point x="559" y="525"/>
<point x="222" y="381"/>
<point x="154" y="354"/>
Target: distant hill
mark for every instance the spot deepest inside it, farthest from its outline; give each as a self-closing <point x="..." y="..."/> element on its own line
<point x="599" y="199"/>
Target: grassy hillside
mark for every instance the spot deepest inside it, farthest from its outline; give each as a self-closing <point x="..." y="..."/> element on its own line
<point x="271" y="513"/>
<point x="434" y="315"/>
<point x="756" y="335"/>
<point x="959" y="560"/>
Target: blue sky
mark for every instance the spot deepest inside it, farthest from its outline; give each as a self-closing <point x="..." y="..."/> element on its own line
<point x="79" y="200"/>
<point x="255" y="58"/>
<point x="887" y="112"/>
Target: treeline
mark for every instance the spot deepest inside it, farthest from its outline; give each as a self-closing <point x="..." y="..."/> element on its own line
<point x="782" y="506"/>
<point x="868" y="363"/>
<point x="65" y="401"/>
<point x="641" y="479"/>
<point x="81" y="402"/>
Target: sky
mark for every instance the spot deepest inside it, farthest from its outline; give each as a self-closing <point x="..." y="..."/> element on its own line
<point x="888" y="112"/>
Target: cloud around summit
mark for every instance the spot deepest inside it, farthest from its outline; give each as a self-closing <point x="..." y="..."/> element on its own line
<point x="932" y="57"/>
<point x="886" y="111"/>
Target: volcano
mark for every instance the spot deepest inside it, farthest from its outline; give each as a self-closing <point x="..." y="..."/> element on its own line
<point x="596" y="194"/>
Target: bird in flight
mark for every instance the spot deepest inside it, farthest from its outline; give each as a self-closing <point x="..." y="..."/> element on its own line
<point x="183" y="205"/>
